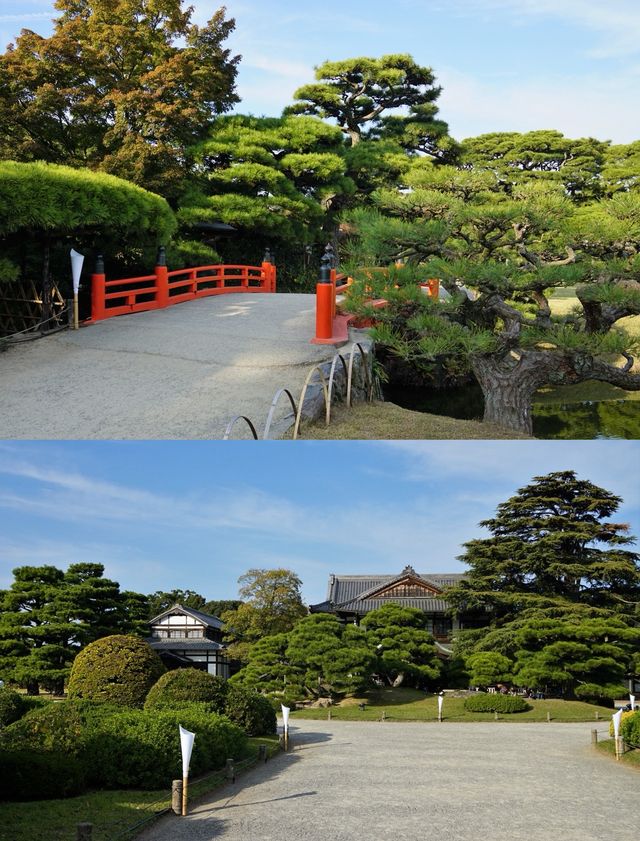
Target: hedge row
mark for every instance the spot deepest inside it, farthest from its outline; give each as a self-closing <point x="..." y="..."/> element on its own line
<point x="109" y="748"/>
<point x="249" y="710"/>
<point x="486" y="702"/>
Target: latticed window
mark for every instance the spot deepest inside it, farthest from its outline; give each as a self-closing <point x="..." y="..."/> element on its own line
<point x="406" y="591"/>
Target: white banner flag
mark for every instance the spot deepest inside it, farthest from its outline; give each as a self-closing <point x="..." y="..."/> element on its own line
<point x="76" y="269"/>
<point x="616" y="723"/>
<point x="285" y="717"/>
<point x="186" y="743"/>
<point x="632" y="701"/>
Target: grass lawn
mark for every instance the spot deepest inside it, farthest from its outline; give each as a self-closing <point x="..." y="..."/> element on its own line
<point x="383" y="421"/>
<point x="413" y="705"/>
<point x="111" y="812"/>
<point x="631" y="759"/>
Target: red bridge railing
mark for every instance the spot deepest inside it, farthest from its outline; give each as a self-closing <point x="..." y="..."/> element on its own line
<point x="164" y="288"/>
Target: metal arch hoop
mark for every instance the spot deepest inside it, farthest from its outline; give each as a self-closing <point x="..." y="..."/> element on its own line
<point x="303" y="393"/>
<point x="367" y="375"/>
<point x="232" y="423"/>
<point x="274" y="403"/>
<point x="332" y="380"/>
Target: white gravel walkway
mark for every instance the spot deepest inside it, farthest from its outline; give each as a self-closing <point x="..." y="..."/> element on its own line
<point x="383" y="781"/>
<point x="182" y="372"/>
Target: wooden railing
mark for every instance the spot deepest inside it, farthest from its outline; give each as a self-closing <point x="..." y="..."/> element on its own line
<point x="164" y="288"/>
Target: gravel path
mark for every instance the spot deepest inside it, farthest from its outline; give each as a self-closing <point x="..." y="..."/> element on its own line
<point x="182" y="372"/>
<point x="348" y="781"/>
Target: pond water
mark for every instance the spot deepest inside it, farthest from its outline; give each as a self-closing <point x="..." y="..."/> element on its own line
<point x="588" y="410"/>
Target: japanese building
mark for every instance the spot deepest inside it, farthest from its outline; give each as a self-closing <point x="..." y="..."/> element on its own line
<point x="186" y="637"/>
<point x="351" y="597"/>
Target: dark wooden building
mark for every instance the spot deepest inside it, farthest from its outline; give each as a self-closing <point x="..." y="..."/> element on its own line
<point x="183" y="637"/>
<point x="351" y="597"/>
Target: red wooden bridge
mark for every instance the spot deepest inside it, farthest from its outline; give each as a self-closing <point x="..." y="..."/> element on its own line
<point x="164" y="288"/>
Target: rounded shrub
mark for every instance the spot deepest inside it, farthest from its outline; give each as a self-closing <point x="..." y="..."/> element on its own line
<point x="188" y="685"/>
<point x="489" y="702"/>
<point x="11" y="706"/>
<point x="36" y="775"/>
<point x="119" y="669"/>
<point x="252" y="712"/>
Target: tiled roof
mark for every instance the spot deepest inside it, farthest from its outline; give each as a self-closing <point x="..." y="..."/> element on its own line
<point x="345" y="588"/>
<point x="365" y="605"/>
<point x="360" y="593"/>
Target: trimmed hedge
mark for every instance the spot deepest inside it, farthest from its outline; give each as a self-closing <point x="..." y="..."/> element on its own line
<point x="120" y="669"/>
<point x="188" y="685"/>
<point x="141" y="748"/>
<point x="109" y="747"/>
<point x="248" y="709"/>
<point x="630" y="728"/>
<point x="52" y="197"/>
<point x="254" y="713"/>
<point x="488" y="702"/>
<point x="11" y="706"/>
<point x="35" y="775"/>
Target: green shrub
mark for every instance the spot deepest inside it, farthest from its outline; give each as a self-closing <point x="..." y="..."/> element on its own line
<point x="188" y="685"/>
<point x="58" y="727"/>
<point x="35" y="775"/>
<point x="594" y="693"/>
<point x="630" y="728"/>
<point x="141" y="748"/>
<point x="11" y="706"/>
<point x="251" y="711"/>
<point x="489" y="702"/>
<point x="119" y="669"/>
<point x="117" y="748"/>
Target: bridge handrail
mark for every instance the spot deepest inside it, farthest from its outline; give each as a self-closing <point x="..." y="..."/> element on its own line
<point x="162" y="288"/>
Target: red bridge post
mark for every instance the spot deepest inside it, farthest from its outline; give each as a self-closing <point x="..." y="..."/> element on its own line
<point x="162" y="279"/>
<point x="325" y="297"/>
<point x="98" y="281"/>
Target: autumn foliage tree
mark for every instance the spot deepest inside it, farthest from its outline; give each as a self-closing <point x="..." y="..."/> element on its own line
<point x="124" y="86"/>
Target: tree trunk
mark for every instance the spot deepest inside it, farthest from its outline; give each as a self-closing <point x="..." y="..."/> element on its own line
<point x="508" y="384"/>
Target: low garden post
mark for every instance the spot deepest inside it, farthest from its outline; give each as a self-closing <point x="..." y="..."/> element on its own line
<point x="176" y="797"/>
<point x="84" y="832"/>
<point x="262" y="753"/>
<point x="230" y="770"/>
<point x="594" y="737"/>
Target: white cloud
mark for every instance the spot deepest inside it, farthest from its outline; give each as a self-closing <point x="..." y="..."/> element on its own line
<point x="577" y="106"/>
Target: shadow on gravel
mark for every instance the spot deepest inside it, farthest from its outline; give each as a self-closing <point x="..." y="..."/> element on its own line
<point x="270" y="800"/>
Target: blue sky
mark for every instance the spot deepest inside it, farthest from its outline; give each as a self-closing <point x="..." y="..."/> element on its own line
<point x="196" y="515"/>
<point x="505" y="65"/>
